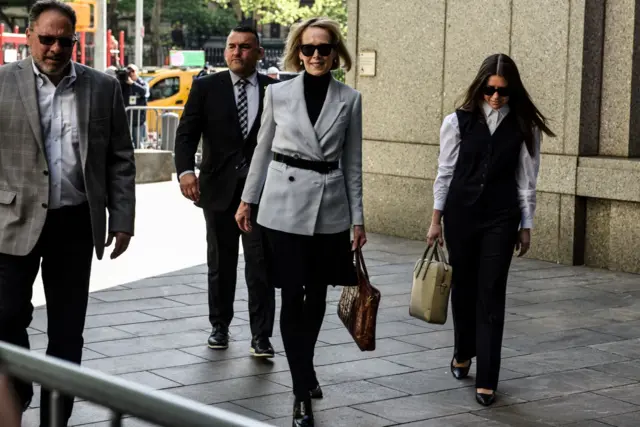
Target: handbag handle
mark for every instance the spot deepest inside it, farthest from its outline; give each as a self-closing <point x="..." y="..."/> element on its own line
<point x="418" y="268"/>
<point x="431" y="252"/>
<point x="360" y="266"/>
<point x="427" y="255"/>
<point x="360" y="262"/>
<point x="441" y="256"/>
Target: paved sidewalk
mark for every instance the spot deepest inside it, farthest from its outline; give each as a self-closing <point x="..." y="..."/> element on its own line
<point x="570" y="357"/>
<point x="169" y="235"/>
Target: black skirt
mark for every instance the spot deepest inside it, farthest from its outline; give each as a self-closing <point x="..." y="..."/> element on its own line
<point x="318" y="260"/>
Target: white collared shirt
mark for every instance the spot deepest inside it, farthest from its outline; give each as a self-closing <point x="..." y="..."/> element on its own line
<point x="526" y="173"/>
<point x="253" y="94"/>
<point x="59" y="122"/>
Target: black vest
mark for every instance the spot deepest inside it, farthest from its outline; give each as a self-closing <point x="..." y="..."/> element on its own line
<point x="485" y="173"/>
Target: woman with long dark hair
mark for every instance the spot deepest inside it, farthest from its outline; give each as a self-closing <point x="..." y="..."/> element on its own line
<point x="485" y="192"/>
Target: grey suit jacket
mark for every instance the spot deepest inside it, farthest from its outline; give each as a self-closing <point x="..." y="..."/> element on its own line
<point x="301" y="201"/>
<point x="105" y="149"/>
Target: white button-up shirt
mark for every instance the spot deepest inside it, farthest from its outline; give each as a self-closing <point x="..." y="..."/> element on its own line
<point x="526" y="173"/>
<point x="59" y="122"/>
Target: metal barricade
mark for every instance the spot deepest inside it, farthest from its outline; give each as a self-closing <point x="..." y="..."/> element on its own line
<point x="169" y="127"/>
<point x="159" y="128"/>
<point x="122" y="397"/>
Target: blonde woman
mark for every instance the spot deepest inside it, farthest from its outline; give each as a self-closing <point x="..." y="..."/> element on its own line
<point x="306" y="174"/>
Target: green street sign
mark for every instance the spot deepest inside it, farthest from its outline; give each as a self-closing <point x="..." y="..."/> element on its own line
<point x="187" y="58"/>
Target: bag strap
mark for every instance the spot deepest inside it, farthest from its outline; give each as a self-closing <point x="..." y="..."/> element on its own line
<point x="443" y="257"/>
<point x="436" y="251"/>
<point x="360" y="266"/>
<point x="420" y="262"/>
<point x="430" y="253"/>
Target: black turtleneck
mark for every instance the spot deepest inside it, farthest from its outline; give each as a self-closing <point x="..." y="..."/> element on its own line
<point x="315" y="91"/>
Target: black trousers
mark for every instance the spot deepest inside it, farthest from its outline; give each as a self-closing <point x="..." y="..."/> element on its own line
<point x="301" y="317"/>
<point x="65" y="249"/>
<point x="223" y="237"/>
<point x="481" y="247"/>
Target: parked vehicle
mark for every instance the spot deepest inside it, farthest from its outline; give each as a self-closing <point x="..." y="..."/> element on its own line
<point x="168" y="87"/>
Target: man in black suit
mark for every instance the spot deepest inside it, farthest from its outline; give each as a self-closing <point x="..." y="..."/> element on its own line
<point x="225" y="109"/>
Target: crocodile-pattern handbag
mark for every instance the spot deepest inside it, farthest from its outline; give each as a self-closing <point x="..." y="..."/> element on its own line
<point x="358" y="307"/>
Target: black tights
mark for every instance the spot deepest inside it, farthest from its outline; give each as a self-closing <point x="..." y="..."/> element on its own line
<point x="301" y="317"/>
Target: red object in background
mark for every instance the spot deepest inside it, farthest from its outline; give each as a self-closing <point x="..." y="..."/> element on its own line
<point x="83" y="40"/>
<point x="15" y="38"/>
<point x="108" y="48"/>
<point x="16" y="30"/>
<point x="121" y="48"/>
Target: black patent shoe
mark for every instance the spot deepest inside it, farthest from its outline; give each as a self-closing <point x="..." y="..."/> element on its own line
<point x="302" y="413"/>
<point x="316" y="392"/>
<point x="485" y="399"/>
<point x="219" y="338"/>
<point x="460" y="372"/>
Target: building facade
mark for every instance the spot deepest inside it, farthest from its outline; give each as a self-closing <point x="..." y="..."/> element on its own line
<point x="580" y="61"/>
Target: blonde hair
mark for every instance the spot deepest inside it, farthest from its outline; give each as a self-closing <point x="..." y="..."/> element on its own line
<point x="291" y="60"/>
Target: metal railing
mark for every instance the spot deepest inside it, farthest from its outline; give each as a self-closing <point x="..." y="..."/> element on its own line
<point x="122" y="397"/>
<point x="159" y="128"/>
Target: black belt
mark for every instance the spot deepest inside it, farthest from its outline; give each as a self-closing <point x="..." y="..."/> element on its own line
<point x="321" y="167"/>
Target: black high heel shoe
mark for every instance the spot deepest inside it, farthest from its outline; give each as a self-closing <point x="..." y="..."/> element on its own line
<point x="302" y="413"/>
<point x="486" y="399"/>
<point x="460" y="372"/>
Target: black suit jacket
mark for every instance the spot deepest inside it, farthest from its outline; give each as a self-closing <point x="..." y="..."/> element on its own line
<point x="211" y="112"/>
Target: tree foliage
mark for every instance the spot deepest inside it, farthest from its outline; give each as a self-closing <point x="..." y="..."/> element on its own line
<point x="287" y="12"/>
<point x="196" y="15"/>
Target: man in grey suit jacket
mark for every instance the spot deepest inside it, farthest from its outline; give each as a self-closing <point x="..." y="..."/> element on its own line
<point x="66" y="157"/>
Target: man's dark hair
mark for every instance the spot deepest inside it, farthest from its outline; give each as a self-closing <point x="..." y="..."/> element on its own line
<point x="122" y="75"/>
<point x="247" y="29"/>
<point x="42" y="6"/>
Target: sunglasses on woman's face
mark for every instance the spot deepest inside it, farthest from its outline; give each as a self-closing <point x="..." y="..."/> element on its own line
<point x="323" y="49"/>
<point x="490" y="90"/>
<point x="64" y="42"/>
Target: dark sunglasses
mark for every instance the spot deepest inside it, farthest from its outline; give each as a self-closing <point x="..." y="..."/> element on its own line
<point x="64" y="42"/>
<point x="323" y="49"/>
<point x="490" y="90"/>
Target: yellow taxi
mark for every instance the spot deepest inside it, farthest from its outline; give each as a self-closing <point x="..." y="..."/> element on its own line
<point x="168" y="87"/>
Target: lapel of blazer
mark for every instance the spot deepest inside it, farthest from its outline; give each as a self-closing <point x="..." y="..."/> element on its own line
<point x="26" y="79"/>
<point x="298" y="111"/>
<point x="330" y="111"/>
<point x="83" y="104"/>
<point x="229" y="99"/>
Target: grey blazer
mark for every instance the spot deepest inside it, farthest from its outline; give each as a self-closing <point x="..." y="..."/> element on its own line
<point x="301" y="201"/>
<point x="105" y="149"/>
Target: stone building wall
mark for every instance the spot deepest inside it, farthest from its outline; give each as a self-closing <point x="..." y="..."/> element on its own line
<point x="578" y="60"/>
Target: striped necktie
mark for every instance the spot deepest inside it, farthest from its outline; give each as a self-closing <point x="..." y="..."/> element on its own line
<point x="243" y="107"/>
